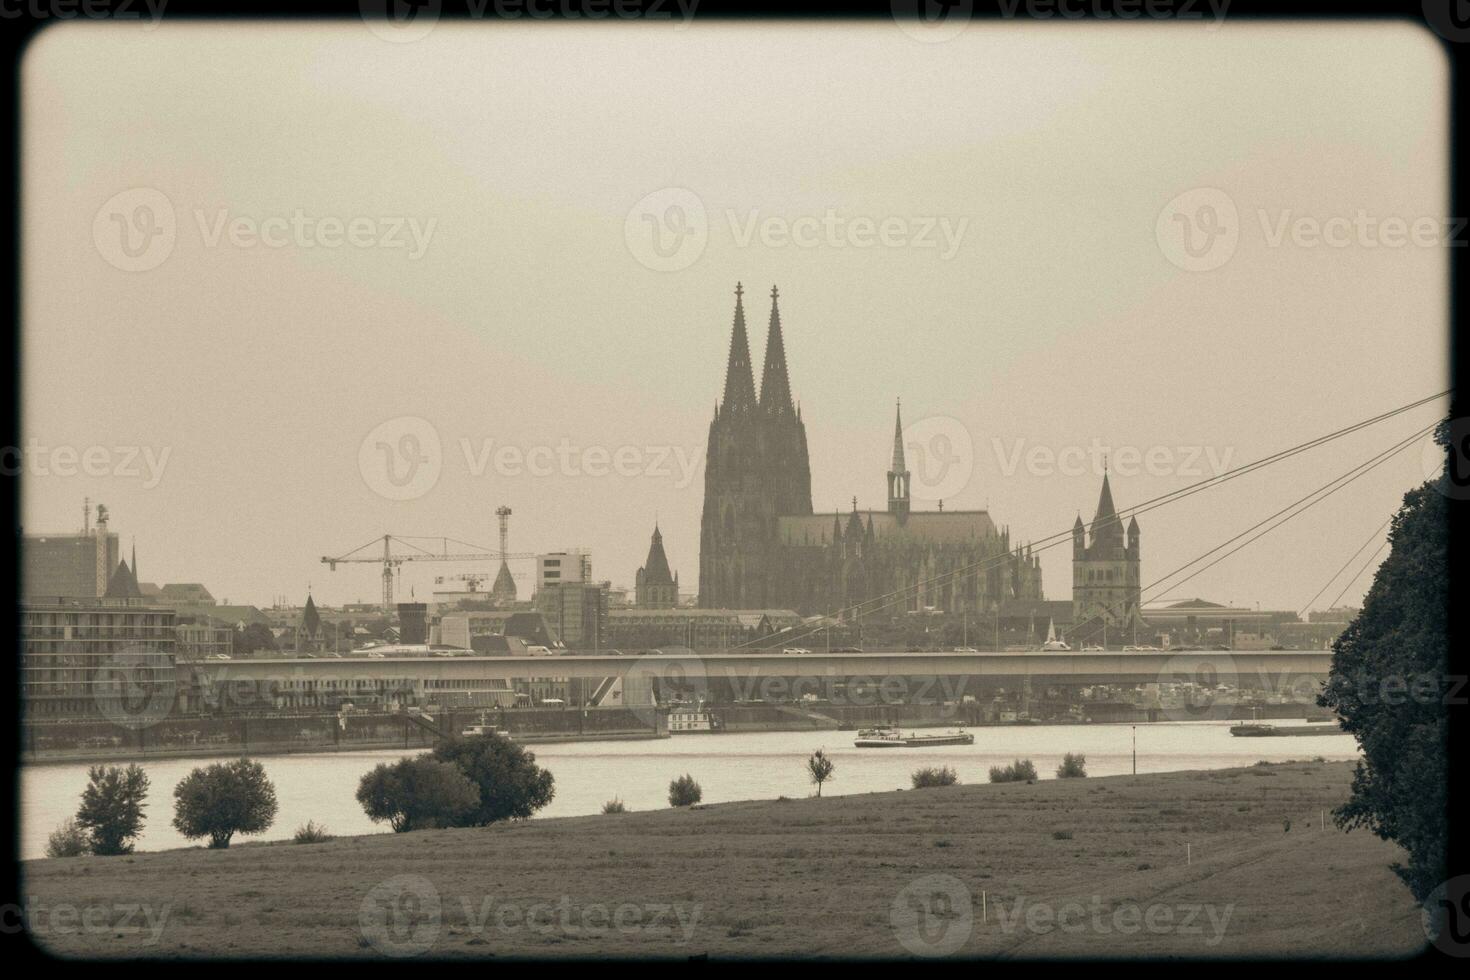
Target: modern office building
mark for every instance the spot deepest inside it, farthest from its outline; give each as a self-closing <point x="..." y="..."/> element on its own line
<point x="83" y="659"/>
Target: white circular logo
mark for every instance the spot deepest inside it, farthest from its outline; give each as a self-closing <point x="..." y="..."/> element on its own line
<point x="667" y="230"/>
<point x="1189" y="686"/>
<point x="135" y="230"/>
<point x="1445" y="916"/>
<point x="135" y="688"/>
<point x="939" y="455"/>
<point x="401" y="916"/>
<point x="1199" y="229"/>
<point x="933" y="915"/>
<point x="655" y="678"/>
<point x="400" y="21"/>
<point x="401" y="459"/>
<point x="932" y="21"/>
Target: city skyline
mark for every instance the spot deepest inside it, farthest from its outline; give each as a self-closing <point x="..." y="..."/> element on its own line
<point x="1058" y="322"/>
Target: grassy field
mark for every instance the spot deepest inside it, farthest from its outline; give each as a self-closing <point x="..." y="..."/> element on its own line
<point x="1184" y="864"/>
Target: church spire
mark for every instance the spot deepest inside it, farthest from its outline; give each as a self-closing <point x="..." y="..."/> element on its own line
<point x="898" y="474"/>
<point x="775" y="384"/>
<point x="739" y="380"/>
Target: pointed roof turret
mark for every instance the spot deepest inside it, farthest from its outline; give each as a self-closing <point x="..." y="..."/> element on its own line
<point x="898" y="463"/>
<point x="739" y="380"/>
<point x="311" y="620"/>
<point x="504" y="588"/>
<point x="775" y="384"/>
<point x="1105" y="506"/>
<point x="122" y="585"/>
<point x="656" y="568"/>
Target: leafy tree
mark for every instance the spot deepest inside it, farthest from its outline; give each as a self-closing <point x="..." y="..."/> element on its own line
<point x="684" y="791"/>
<point x="1074" y="766"/>
<point x="614" y="806"/>
<point x="112" y="808"/>
<point x="68" y="840"/>
<point x="253" y="638"/>
<point x="511" y="786"/>
<point x="931" y="776"/>
<point x="820" y="769"/>
<point x="413" y="794"/>
<point x="1387" y="686"/>
<point x="224" y="799"/>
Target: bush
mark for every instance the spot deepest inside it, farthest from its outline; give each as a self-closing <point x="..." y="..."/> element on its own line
<point x="68" y="841"/>
<point x="1061" y="835"/>
<point x="614" y="806"/>
<point x="510" y="784"/>
<point x="931" y="776"/>
<point x="1073" y="766"/>
<point x="417" y="793"/>
<point x="311" y="833"/>
<point x="223" y="800"/>
<point x="820" y="769"/>
<point x="112" y="808"/>
<point x="1017" y="772"/>
<point x="684" y="791"/>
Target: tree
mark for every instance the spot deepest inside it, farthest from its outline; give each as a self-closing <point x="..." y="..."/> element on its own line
<point x="413" y="794"/>
<point x="820" y="769"/>
<point x="68" y="840"/>
<point x="112" y="808"/>
<point x="510" y="784"/>
<point x="1020" y="771"/>
<point x="931" y="776"/>
<point x="1074" y="766"/>
<point x="1387" y="686"/>
<point x="254" y="637"/>
<point x="684" y="791"/>
<point x="224" y="799"/>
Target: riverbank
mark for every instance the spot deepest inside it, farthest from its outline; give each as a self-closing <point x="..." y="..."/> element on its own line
<point x="1192" y="864"/>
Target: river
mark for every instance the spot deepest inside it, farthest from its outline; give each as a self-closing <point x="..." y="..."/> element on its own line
<point x="757" y="765"/>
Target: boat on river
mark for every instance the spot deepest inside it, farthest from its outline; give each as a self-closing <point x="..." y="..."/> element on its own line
<point x="892" y="738"/>
<point x="1258" y="730"/>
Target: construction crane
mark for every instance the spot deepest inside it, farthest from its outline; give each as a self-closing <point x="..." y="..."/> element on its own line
<point x="391" y="558"/>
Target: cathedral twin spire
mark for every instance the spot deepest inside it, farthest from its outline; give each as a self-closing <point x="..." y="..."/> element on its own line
<point x="740" y="394"/>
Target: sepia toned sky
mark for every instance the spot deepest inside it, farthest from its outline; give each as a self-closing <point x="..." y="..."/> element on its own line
<point x="288" y="257"/>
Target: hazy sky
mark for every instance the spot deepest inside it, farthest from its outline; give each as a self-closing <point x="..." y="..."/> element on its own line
<point x="980" y="226"/>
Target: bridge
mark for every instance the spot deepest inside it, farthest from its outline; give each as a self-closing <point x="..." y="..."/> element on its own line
<point x="1273" y="669"/>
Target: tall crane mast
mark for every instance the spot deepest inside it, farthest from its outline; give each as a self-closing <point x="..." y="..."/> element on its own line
<point x="392" y="558"/>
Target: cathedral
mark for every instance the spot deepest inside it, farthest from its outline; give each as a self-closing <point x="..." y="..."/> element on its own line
<point x="1106" y="593"/>
<point x="761" y="546"/>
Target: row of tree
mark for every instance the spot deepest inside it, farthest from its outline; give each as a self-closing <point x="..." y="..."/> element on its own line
<point x="216" y="802"/>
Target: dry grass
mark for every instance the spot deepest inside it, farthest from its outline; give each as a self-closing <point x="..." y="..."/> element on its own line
<point x="813" y="877"/>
